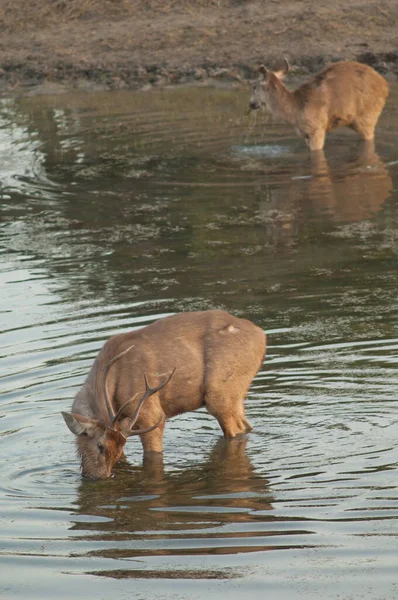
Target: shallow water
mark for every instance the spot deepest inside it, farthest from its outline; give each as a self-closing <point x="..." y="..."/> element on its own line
<point x="119" y="208"/>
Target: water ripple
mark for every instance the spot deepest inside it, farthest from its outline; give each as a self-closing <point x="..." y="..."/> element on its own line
<point x="118" y="209"/>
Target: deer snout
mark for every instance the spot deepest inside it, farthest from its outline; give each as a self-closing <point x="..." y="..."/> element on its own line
<point x="253" y="105"/>
<point x="89" y="476"/>
<point x="93" y="471"/>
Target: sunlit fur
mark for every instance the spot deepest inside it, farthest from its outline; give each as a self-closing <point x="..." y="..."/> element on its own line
<point x="343" y="94"/>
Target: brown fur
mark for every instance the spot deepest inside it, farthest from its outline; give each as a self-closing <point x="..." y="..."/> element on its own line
<point x="343" y="94"/>
<point x="216" y="356"/>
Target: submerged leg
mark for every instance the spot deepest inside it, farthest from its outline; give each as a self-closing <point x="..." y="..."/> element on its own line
<point x="317" y="140"/>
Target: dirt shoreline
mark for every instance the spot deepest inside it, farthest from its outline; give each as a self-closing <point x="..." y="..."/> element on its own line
<point x="134" y="47"/>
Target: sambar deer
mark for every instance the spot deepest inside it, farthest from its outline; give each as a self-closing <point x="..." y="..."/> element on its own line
<point x="344" y="93"/>
<point x="206" y="358"/>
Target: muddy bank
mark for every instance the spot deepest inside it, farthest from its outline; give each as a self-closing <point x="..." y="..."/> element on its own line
<point x="115" y="45"/>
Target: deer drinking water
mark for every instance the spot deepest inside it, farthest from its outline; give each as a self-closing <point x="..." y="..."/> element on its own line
<point x="344" y="93"/>
<point x="196" y="359"/>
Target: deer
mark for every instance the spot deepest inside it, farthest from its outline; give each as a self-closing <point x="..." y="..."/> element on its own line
<point x="192" y="359"/>
<point x="345" y="93"/>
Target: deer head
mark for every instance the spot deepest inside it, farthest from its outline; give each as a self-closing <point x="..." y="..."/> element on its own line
<point x="264" y="85"/>
<point x="99" y="444"/>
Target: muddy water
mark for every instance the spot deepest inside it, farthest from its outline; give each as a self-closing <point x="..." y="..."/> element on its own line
<point x="120" y="208"/>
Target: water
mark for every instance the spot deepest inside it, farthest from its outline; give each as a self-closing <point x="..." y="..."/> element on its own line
<point x="120" y="208"/>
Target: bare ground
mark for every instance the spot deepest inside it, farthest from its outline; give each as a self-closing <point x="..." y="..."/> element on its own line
<point x="48" y="45"/>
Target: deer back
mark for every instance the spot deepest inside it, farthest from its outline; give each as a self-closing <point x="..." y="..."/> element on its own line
<point x="205" y="348"/>
<point x="340" y="92"/>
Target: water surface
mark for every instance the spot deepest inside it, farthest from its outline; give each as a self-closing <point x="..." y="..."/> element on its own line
<point x="121" y="208"/>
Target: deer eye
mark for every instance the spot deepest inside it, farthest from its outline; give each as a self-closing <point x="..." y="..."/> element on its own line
<point x="100" y="447"/>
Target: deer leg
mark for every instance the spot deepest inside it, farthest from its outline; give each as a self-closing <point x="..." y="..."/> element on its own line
<point x="365" y="129"/>
<point x="316" y="141"/>
<point x="229" y="412"/>
<point x="153" y="440"/>
<point x="246" y="424"/>
<point x="153" y="466"/>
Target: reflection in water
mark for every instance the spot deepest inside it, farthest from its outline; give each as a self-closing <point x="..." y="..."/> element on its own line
<point x="355" y="194"/>
<point x="354" y="190"/>
<point x="143" y="212"/>
<point x="199" y="510"/>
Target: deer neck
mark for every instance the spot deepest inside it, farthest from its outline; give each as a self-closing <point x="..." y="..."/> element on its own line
<point x="282" y="102"/>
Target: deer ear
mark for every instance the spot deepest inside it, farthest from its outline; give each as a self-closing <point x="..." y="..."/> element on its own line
<point x="263" y="71"/>
<point x="124" y="426"/>
<point x="283" y="71"/>
<point x="80" y="425"/>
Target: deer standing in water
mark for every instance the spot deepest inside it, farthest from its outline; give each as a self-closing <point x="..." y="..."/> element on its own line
<point x="344" y="93"/>
<point x="197" y="359"/>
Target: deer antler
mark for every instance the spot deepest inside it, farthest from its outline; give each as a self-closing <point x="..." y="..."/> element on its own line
<point x="109" y="406"/>
<point x="148" y="392"/>
<point x="146" y="430"/>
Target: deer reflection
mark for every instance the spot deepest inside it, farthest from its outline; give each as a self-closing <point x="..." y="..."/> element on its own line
<point x="225" y="488"/>
<point x="354" y="191"/>
<point x="353" y="194"/>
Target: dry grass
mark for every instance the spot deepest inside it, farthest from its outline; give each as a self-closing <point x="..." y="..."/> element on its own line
<point x="116" y="44"/>
<point x="18" y="15"/>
